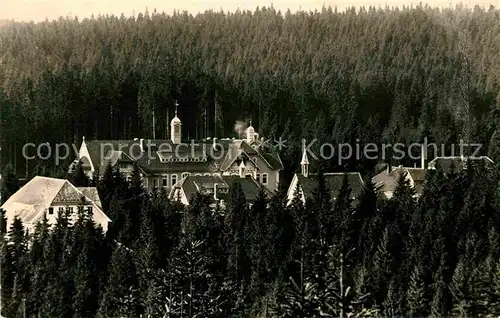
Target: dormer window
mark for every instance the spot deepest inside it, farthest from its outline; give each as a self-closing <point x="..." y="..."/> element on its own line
<point x="51" y="210"/>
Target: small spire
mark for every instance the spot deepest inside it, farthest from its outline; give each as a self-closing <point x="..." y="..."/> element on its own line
<point x="250" y="122"/>
<point x="83" y="138"/>
<point x="176" y="104"/>
<point x="305" y="160"/>
<point x="304" y="164"/>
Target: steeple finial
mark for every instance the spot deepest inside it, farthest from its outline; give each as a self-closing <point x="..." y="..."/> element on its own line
<point x="176" y="104"/>
<point x="304" y="163"/>
<point x="250" y="121"/>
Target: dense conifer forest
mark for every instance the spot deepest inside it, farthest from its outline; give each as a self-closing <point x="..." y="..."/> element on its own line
<point x="374" y="75"/>
<point x="371" y="74"/>
<point x="436" y="257"/>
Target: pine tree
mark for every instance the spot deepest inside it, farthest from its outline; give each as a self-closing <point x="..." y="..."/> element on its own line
<point x="417" y="304"/>
<point x="14" y="268"/>
<point x="77" y="176"/>
<point x="3" y="222"/>
<point x="236" y="217"/>
<point x="119" y="294"/>
<point x="9" y="183"/>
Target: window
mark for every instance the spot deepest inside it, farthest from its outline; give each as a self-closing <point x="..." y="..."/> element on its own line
<point x="173" y="179"/>
<point x="89" y="210"/>
<point x="264" y="178"/>
<point x="165" y="182"/>
<point x="145" y="183"/>
<point x="258" y="177"/>
<point x="255" y="160"/>
<point x="69" y="209"/>
<point x="185" y="174"/>
<point x="207" y="174"/>
<point x="197" y="174"/>
<point x="51" y="211"/>
<point x="61" y="210"/>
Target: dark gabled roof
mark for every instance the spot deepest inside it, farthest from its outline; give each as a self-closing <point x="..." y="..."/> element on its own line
<point x="205" y="185"/>
<point x="201" y="184"/>
<point x="162" y="156"/>
<point x="417" y="174"/>
<point x="459" y="163"/>
<point x="333" y="182"/>
<point x="249" y="185"/>
<point x="388" y="181"/>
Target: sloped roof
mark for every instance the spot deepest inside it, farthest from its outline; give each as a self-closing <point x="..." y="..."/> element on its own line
<point x="92" y="194"/>
<point x="30" y="202"/>
<point x="33" y="198"/>
<point x="333" y="182"/>
<point x="387" y="182"/>
<point x="150" y="160"/>
<point x="458" y="162"/>
<point x="249" y="185"/>
<point x="202" y="184"/>
<point x="205" y="185"/>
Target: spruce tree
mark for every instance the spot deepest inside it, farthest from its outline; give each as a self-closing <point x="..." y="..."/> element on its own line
<point x="9" y="184"/>
<point x="119" y="294"/>
<point x="236" y="217"/>
<point x="78" y="177"/>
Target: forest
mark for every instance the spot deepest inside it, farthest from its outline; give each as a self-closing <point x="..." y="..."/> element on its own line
<point x="393" y="75"/>
<point x="435" y="257"/>
<point x="374" y="75"/>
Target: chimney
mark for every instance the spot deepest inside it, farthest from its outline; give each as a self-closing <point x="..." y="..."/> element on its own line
<point x="423" y="156"/>
<point x="389" y="168"/>
<point x="141" y="141"/>
<point x="215" y="191"/>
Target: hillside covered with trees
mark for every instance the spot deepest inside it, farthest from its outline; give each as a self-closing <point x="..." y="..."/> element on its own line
<point x="372" y="75"/>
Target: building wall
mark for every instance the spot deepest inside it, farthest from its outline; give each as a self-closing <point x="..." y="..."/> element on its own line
<point x="271" y="180"/>
<point x="58" y="208"/>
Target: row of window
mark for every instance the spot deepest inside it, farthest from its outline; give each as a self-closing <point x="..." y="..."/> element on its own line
<point x="197" y="159"/>
<point x="68" y="209"/>
<point x="164" y="181"/>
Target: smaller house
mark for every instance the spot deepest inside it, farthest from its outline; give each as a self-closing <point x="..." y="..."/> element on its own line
<point x="308" y="183"/>
<point x="458" y="163"/>
<point x="50" y="197"/>
<point x="217" y="187"/>
<point x="387" y="180"/>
